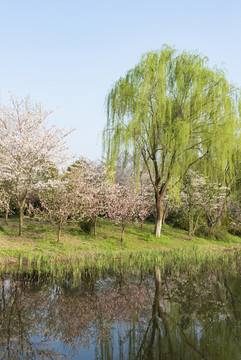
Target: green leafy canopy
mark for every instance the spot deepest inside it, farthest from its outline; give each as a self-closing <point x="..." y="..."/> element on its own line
<point x="172" y="110"/>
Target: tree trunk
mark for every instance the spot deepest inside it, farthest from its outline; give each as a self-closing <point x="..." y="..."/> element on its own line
<point x="164" y="218"/>
<point x="6" y="217"/>
<point x="189" y="231"/>
<point x="159" y="216"/>
<point x="190" y="225"/>
<point x="165" y="212"/>
<point x="95" y="221"/>
<point x="20" y="233"/>
<point x="122" y="233"/>
<point x="195" y="226"/>
<point x="59" y="232"/>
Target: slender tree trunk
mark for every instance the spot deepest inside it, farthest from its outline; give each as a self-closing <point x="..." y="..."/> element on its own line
<point x="20" y="233"/>
<point x="142" y="227"/>
<point x="219" y="221"/>
<point x="190" y="225"/>
<point x="195" y="226"/>
<point x="21" y="203"/>
<point x="211" y="230"/>
<point x="95" y="222"/>
<point x="59" y="232"/>
<point x="189" y="230"/>
<point x="122" y="233"/>
<point x="159" y="216"/>
<point x="6" y="216"/>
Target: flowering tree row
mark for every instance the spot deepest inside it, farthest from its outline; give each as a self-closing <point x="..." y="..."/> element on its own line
<point x="84" y="192"/>
<point x="31" y="153"/>
<point x="205" y="204"/>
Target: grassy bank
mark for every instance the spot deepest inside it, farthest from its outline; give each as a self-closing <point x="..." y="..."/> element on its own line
<point x="40" y="238"/>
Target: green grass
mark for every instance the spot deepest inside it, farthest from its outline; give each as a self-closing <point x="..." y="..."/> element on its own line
<point x="40" y="238"/>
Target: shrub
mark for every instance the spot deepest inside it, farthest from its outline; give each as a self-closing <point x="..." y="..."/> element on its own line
<point x="86" y="225"/>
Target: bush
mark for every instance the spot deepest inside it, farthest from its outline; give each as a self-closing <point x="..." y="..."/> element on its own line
<point x="232" y="219"/>
<point x="86" y="225"/>
<point x="175" y="218"/>
<point x="218" y="233"/>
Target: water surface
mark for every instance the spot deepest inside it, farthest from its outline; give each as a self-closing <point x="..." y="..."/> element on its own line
<point x="159" y="313"/>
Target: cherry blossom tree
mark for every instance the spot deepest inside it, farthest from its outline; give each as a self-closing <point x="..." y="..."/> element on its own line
<point x="201" y="202"/>
<point x="125" y="205"/>
<point x="80" y="193"/>
<point x="58" y="203"/>
<point x="99" y="196"/>
<point x="213" y="203"/>
<point x="91" y="189"/>
<point x="28" y="148"/>
<point x="192" y="200"/>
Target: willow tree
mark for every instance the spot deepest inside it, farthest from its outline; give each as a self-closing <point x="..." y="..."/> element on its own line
<point x="171" y="111"/>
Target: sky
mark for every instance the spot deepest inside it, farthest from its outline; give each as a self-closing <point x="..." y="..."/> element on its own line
<point x="67" y="54"/>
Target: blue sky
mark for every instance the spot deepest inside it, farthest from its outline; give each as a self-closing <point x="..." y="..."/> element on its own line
<point x="67" y="54"/>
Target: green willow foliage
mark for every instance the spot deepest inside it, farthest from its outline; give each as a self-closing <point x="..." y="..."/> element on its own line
<point x="172" y="110"/>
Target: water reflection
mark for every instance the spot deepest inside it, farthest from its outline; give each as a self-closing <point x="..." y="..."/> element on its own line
<point x="185" y="315"/>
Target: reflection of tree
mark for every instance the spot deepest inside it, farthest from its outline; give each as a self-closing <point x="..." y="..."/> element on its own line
<point x="34" y="314"/>
<point x="90" y="314"/>
<point x="191" y="324"/>
<point x="18" y="322"/>
<point x="149" y="346"/>
<point x="196" y="325"/>
<point x="184" y="316"/>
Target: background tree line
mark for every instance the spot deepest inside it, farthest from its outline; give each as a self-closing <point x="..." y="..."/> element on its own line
<point x="172" y="147"/>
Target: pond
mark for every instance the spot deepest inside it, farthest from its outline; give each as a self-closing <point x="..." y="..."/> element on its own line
<point x="158" y="311"/>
